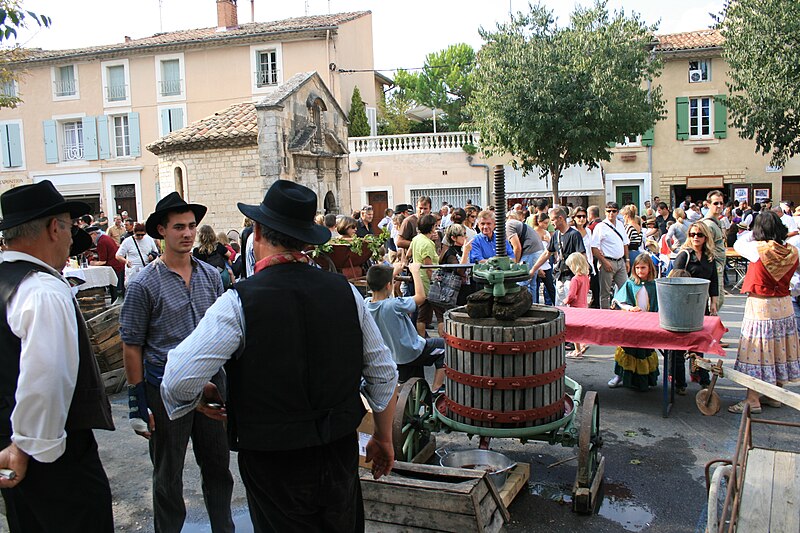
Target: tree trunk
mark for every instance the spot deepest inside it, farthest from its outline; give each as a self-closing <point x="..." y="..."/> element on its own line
<point x="555" y="175"/>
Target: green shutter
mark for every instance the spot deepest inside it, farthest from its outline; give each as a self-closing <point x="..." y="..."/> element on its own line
<point x="89" y="138"/>
<point x="103" y="145"/>
<point x="682" y="118"/>
<point x="50" y="141"/>
<point x="647" y="137"/>
<point x="612" y="144"/>
<point x="720" y="117"/>
<point x="133" y="131"/>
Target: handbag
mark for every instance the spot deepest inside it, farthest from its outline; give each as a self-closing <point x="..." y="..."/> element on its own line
<point x="445" y="286"/>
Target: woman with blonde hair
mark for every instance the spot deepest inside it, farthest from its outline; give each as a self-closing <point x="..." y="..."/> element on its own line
<point x="213" y="252"/>
<point x="678" y="231"/>
<point x="578" y="293"/>
<point x="697" y="258"/>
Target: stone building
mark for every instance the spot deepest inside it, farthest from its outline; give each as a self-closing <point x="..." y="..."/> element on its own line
<point x="298" y="132"/>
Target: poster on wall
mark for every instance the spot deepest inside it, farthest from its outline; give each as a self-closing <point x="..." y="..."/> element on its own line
<point x="740" y="194"/>
<point x="759" y="195"/>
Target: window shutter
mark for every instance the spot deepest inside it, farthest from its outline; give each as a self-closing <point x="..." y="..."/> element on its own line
<point x="165" y="128"/>
<point x="89" y="138"/>
<point x="5" y="146"/>
<point x="50" y="141"/>
<point x="133" y="131"/>
<point x="611" y="144"/>
<point x="103" y="145"/>
<point x="682" y="117"/>
<point x="176" y="118"/>
<point x="647" y="137"/>
<point x="720" y="117"/>
<point x="14" y="145"/>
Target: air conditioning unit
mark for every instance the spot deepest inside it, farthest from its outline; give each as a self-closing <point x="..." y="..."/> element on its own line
<point x="695" y="75"/>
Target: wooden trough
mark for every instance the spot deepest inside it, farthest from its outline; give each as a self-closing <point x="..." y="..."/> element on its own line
<point x="417" y="498"/>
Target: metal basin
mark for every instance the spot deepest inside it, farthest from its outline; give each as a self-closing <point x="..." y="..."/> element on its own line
<point x="496" y="464"/>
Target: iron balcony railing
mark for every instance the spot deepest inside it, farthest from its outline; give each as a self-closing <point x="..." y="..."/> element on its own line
<point x="265" y="78"/>
<point x="65" y="87"/>
<point x="170" y="87"/>
<point x="73" y="152"/>
<point x="115" y="93"/>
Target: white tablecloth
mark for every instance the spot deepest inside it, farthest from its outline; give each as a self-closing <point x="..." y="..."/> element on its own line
<point x="94" y="276"/>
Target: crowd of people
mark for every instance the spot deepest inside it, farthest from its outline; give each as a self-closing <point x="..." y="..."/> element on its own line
<point x="253" y="369"/>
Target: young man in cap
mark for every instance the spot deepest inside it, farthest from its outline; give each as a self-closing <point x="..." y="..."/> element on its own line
<point x="164" y="304"/>
<point x="54" y="395"/>
<point x="293" y="398"/>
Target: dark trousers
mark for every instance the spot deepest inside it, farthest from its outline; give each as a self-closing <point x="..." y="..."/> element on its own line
<point x="306" y="490"/>
<point x="168" y="453"/>
<point x="119" y="289"/>
<point x="678" y="367"/>
<point x="71" y="494"/>
<point x="594" y="286"/>
<point x="549" y="286"/>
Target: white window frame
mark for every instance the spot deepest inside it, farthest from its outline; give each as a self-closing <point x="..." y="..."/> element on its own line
<point x="112" y="136"/>
<point x="15" y="85"/>
<point x="700" y="134"/>
<point x="21" y="146"/>
<point x="161" y="130"/>
<point x="104" y="74"/>
<point x="697" y="64"/>
<point x="254" y="50"/>
<point x="181" y="67"/>
<point x="629" y="143"/>
<point x="62" y="140"/>
<point x="54" y="71"/>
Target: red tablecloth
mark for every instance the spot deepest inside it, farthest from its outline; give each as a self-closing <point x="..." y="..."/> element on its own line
<point x="622" y="328"/>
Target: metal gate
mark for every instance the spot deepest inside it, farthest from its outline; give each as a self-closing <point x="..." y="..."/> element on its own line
<point x="456" y="196"/>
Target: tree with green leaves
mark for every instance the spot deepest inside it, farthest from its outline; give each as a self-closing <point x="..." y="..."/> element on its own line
<point x="359" y="125"/>
<point x="392" y="119"/>
<point x="762" y="48"/>
<point x="445" y="82"/>
<point x="554" y="96"/>
<point x="12" y="18"/>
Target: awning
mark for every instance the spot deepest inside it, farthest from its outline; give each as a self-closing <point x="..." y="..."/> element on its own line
<point x="575" y="181"/>
<point x="549" y="194"/>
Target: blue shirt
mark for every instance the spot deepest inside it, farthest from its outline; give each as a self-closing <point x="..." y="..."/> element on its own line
<point x="399" y="334"/>
<point x="160" y="311"/>
<point x="484" y="248"/>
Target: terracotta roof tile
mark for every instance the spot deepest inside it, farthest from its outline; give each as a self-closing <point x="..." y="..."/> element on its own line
<point x="196" y="36"/>
<point x="237" y="125"/>
<point x="690" y="40"/>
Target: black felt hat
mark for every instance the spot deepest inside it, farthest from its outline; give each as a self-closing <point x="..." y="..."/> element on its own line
<point x="289" y="208"/>
<point x="81" y="241"/>
<point x="29" y="202"/>
<point x="171" y="202"/>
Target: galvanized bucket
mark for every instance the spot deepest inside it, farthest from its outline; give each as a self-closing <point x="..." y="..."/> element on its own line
<point x="682" y="303"/>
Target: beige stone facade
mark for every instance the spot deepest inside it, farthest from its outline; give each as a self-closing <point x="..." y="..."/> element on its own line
<point x="125" y="96"/>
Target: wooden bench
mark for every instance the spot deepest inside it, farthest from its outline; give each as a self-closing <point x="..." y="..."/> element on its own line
<point x="770" y="492"/>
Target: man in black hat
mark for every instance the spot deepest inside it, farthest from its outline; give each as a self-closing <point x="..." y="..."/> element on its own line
<point x="50" y="382"/>
<point x="163" y="305"/>
<point x="294" y="375"/>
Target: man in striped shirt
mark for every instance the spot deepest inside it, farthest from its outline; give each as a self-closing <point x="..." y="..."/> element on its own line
<point x="296" y="342"/>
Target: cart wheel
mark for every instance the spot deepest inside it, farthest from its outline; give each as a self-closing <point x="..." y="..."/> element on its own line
<point x="589" y="458"/>
<point x="708" y="406"/>
<point x="414" y="407"/>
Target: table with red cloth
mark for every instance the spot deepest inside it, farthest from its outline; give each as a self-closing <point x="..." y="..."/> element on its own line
<point x="605" y="327"/>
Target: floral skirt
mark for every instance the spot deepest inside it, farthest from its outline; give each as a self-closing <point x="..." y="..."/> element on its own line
<point x="768" y="348"/>
<point x="638" y="367"/>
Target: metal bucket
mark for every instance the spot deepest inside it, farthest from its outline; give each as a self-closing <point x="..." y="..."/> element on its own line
<point x="496" y="464"/>
<point x="682" y="303"/>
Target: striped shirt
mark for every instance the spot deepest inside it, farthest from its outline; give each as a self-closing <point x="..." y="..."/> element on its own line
<point x="221" y="335"/>
<point x="160" y="311"/>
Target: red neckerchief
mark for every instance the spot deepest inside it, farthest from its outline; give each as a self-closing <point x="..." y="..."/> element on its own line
<point x="280" y="259"/>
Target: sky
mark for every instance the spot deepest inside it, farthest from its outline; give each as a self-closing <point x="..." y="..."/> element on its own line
<point x="403" y="31"/>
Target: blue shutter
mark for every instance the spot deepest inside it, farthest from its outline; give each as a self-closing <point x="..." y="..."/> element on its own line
<point x="103" y="145"/>
<point x="14" y="146"/>
<point x="5" y="146"/>
<point x="176" y="118"/>
<point x="133" y="131"/>
<point x="165" y="129"/>
<point x="89" y="138"/>
<point x="50" y="141"/>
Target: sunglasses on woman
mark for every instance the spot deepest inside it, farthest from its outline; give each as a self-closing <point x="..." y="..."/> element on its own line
<point x="696" y="235"/>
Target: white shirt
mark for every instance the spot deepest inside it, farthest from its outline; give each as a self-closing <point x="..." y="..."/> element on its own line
<point x="128" y="250"/>
<point x="611" y="244"/>
<point x="42" y="315"/>
<point x="220" y="334"/>
<point x="789" y="222"/>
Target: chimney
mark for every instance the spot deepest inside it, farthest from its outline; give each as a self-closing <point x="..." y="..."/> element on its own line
<point x="226" y="14"/>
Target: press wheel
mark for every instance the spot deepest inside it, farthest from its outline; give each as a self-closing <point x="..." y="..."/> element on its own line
<point x="409" y="430"/>
<point x="590" y="462"/>
<point x="708" y="402"/>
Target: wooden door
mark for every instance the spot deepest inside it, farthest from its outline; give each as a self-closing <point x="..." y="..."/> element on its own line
<point x="125" y="200"/>
<point x="379" y="200"/>
<point x="791" y="190"/>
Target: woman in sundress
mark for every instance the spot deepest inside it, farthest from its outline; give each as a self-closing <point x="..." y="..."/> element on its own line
<point x="768" y="348"/>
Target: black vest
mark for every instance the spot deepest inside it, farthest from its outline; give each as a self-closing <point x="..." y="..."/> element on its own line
<point x="89" y="408"/>
<point x="296" y="383"/>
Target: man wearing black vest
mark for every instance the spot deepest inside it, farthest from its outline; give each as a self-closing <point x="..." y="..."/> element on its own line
<point x="51" y="392"/>
<point x="295" y="341"/>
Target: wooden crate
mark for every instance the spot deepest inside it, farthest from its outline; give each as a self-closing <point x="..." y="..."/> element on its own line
<point x="418" y="498"/>
<point x="516" y="481"/>
<point x="105" y="339"/>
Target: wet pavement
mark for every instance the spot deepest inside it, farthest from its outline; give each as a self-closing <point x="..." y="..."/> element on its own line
<point x="654" y="478"/>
